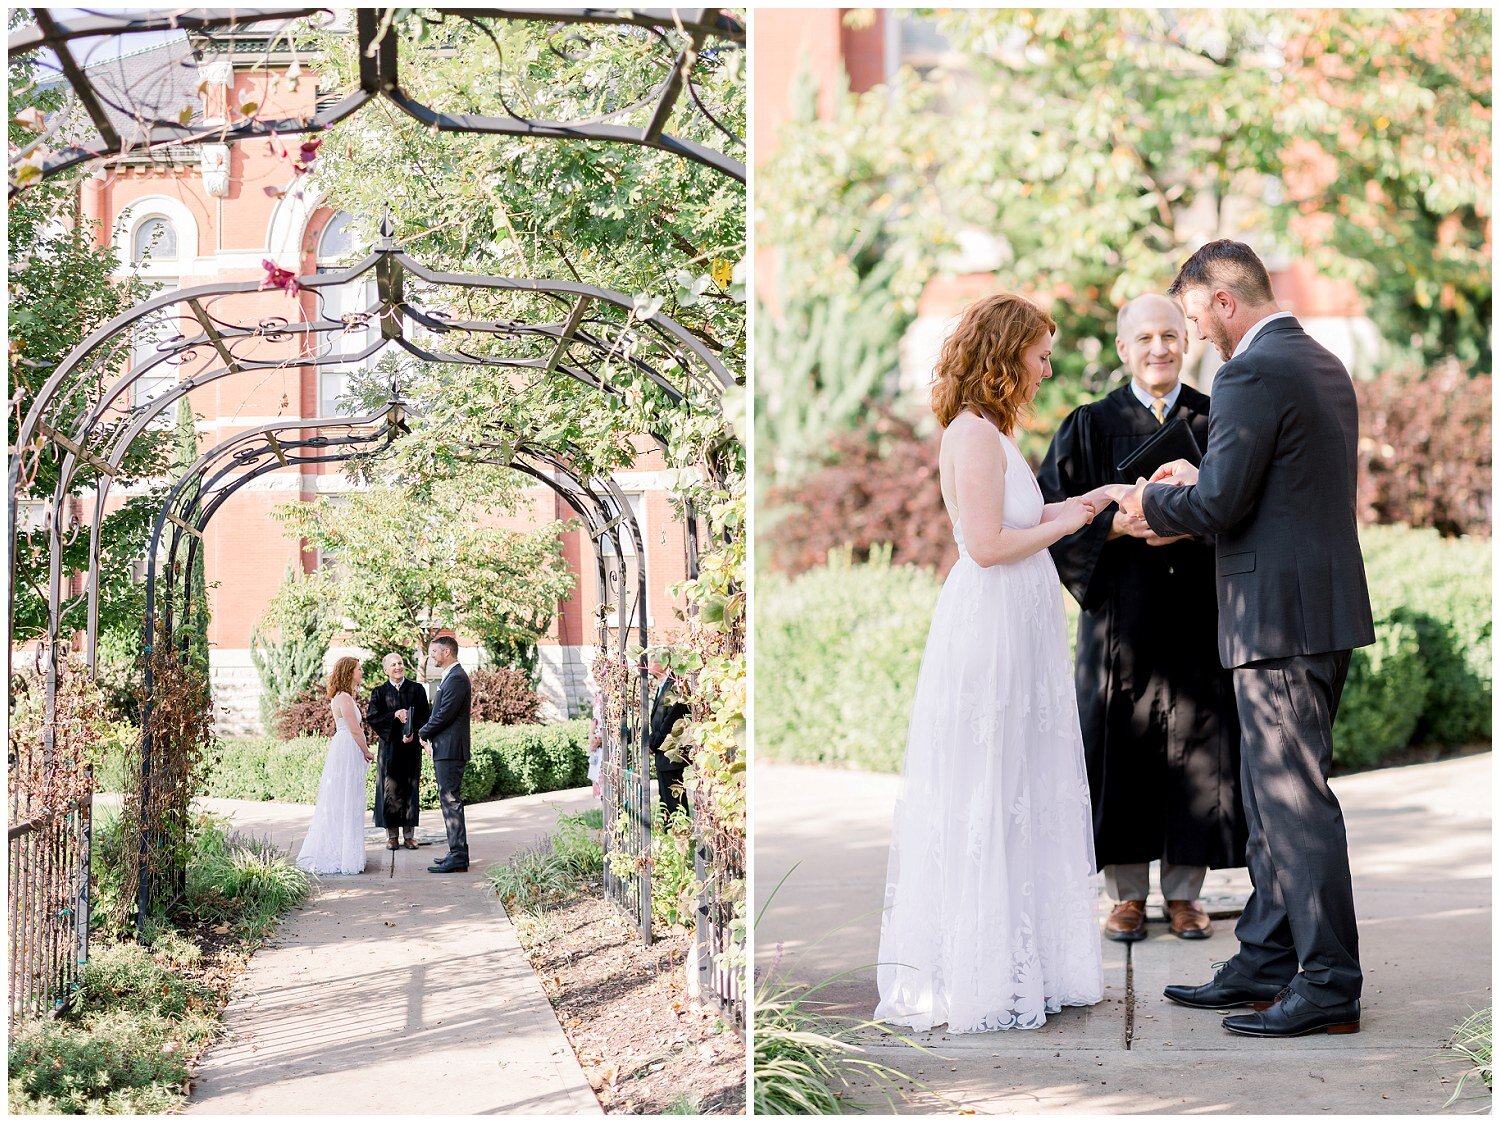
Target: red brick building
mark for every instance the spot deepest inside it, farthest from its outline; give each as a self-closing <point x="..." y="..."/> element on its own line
<point x="202" y="215"/>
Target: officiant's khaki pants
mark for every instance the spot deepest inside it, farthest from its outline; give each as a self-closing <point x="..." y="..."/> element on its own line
<point x="1133" y="882"/>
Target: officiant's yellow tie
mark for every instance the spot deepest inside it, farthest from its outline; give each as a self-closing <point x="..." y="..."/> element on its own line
<point x="1159" y="408"/>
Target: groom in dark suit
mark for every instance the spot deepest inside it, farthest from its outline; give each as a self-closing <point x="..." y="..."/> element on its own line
<point x="446" y="735"/>
<point x="1276" y="488"/>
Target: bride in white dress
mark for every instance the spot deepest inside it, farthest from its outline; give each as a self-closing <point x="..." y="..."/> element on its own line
<point x="336" y="840"/>
<point x="990" y="904"/>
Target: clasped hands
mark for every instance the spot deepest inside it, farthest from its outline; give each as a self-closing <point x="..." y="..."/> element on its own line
<point x="1130" y="519"/>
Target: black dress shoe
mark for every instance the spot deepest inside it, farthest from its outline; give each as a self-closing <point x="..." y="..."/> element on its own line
<point x="1228" y="989"/>
<point x="448" y="866"/>
<point x="1294" y="1016"/>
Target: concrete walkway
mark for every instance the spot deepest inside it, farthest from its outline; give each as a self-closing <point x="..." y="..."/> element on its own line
<point x="396" y="991"/>
<point x="1420" y="842"/>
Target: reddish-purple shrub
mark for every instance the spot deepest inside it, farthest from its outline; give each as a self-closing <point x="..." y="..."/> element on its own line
<point x="878" y="484"/>
<point x="309" y="714"/>
<point x="306" y="715"/>
<point x="503" y="695"/>
<point x="1424" y="449"/>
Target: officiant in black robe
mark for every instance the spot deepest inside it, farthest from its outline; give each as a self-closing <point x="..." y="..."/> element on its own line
<point x="397" y="709"/>
<point x="1160" y="727"/>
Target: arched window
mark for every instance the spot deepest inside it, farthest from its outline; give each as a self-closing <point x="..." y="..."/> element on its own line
<point x="337" y="242"/>
<point x="155" y="240"/>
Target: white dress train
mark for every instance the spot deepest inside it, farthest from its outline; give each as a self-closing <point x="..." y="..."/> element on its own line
<point x="990" y="906"/>
<point x="335" y="841"/>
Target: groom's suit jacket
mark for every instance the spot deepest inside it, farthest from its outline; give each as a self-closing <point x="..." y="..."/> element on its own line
<point x="1277" y="490"/>
<point x="448" y="727"/>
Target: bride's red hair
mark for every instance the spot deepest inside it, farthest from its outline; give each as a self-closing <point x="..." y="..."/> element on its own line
<point x="341" y="681"/>
<point x="979" y="368"/>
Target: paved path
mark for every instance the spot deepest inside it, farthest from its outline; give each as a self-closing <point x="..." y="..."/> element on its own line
<point x="396" y="991"/>
<point x="1420" y="842"/>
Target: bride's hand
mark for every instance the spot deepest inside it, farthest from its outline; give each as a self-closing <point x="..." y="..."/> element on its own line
<point x="1076" y="513"/>
<point x="1108" y="493"/>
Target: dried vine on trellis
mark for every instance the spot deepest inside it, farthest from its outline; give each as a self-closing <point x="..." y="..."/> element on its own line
<point x="179" y="734"/>
<point x="46" y="780"/>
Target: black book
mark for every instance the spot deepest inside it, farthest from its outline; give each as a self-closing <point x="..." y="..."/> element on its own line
<point x="408" y="729"/>
<point x="1173" y="441"/>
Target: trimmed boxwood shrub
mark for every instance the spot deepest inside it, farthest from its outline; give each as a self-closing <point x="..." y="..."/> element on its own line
<point x="837" y="650"/>
<point x="1441" y="586"/>
<point x="1383" y="696"/>
<point x="505" y="760"/>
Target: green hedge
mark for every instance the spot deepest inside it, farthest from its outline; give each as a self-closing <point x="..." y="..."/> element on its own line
<point x="838" y="649"/>
<point x="1441" y="588"/>
<point x="505" y="760"/>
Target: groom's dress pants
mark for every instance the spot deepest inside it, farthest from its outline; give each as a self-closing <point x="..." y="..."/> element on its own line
<point x="450" y="780"/>
<point x="1301" y="910"/>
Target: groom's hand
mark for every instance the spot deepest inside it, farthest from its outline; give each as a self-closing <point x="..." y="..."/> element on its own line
<point x="1176" y="473"/>
<point x="1133" y="502"/>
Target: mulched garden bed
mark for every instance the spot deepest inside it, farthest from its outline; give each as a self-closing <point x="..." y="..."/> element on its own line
<point x="645" y="1048"/>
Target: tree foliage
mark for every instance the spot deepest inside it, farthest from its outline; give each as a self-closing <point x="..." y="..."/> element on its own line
<point x="1080" y="155"/>
<point x="289" y="643"/>
<point x="1357" y="138"/>
<point x="63" y="285"/>
<point x="614" y="215"/>
<point x="416" y="560"/>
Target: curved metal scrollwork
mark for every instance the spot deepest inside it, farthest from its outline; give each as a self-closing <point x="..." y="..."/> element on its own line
<point x="667" y="53"/>
<point x="87" y="416"/>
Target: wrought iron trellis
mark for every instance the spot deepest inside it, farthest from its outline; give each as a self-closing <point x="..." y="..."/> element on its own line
<point x="84" y="423"/>
<point x="238" y="461"/>
<point x="679" y="45"/>
<point x="85" y="419"/>
<point x="47" y="907"/>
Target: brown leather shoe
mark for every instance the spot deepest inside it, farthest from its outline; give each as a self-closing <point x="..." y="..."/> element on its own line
<point x="1189" y="921"/>
<point x="1127" y="922"/>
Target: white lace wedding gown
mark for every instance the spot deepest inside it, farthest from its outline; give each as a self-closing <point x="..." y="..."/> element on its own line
<point x="990" y="904"/>
<point x="336" y="840"/>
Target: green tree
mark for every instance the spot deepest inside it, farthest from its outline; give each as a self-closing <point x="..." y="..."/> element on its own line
<point x="664" y="230"/>
<point x="1098" y="148"/>
<point x="289" y="643"/>
<point x="857" y="228"/>
<point x="413" y="560"/>
<point x="63" y="285"/>
<point x="1357" y="138"/>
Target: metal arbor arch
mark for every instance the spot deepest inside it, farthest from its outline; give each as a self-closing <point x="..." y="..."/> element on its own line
<point x="239" y="460"/>
<point x="597" y="340"/>
<point x="85" y="420"/>
<point x="675" y="47"/>
<point x="144" y="111"/>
